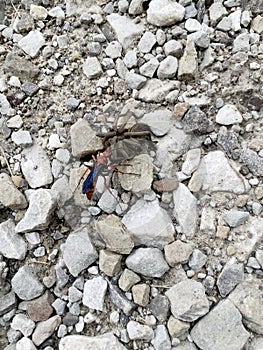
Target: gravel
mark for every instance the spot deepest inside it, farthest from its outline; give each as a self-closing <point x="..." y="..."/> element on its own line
<point x="167" y="255"/>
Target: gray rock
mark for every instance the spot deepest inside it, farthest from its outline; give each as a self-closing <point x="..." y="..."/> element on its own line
<point x="185" y="210"/>
<point x="10" y="196"/>
<point x="56" y="12"/>
<point x="161" y="340"/>
<point x="225" y="24"/>
<point x="108" y="201"/>
<point x="159" y="307"/>
<point x="200" y="39"/>
<point x="136" y="7"/>
<point x="156" y="90"/>
<point x="12" y="245"/>
<point x="188" y="300"/>
<point x="173" y="48"/>
<point x="257" y="24"/>
<point x="235" y="218"/>
<point x="192" y="161"/>
<point x="187" y="68"/>
<point x="116" y="236"/>
<point x="192" y="25"/>
<point x="32" y="43"/>
<point x="72" y="103"/>
<point x="4" y="105"/>
<point x="113" y="50"/>
<point x="94" y="293"/>
<point x="120" y="300"/>
<point x="148" y="262"/>
<point x="159" y="121"/>
<point x="247" y="297"/>
<point x="215" y="174"/>
<point x="177" y="252"/>
<point x="149" y="224"/>
<point x="30" y="89"/>
<point x="130" y="59"/>
<point x="149" y="68"/>
<point x="92" y="67"/>
<point x="195" y="120"/>
<point x="23" y="324"/>
<point x="256" y="344"/>
<point x="2" y="11"/>
<point x="35" y="166"/>
<point x="216" y="12"/>
<point x="7" y="302"/>
<point x="231" y="275"/>
<point x="62" y="190"/>
<point x="167" y="68"/>
<point x="164" y="12"/>
<point x="235" y="18"/>
<point x="42" y="204"/>
<point x="82" y="342"/>
<point x="185" y="345"/>
<point x="21" y="138"/>
<point x="228" y="115"/>
<point x="126" y="29"/>
<point x="134" y="80"/>
<point x="221" y="329"/>
<point x="137" y="331"/>
<point x="45" y="329"/>
<point x="259" y="256"/>
<point x="241" y="43"/>
<point x="26" y="284"/>
<point x="197" y="260"/>
<point x="147" y="41"/>
<point x="141" y="294"/>
<point x="177" y="328"/>
<point x="253" y="161"/>
<point x="127" y="279"/>
<point x="79" y="252"/>
<point x="83" y="139"/>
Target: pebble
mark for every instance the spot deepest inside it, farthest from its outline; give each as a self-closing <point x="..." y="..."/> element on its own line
<point x="92" y="68"/>
<point x="108" y="201"/>
<point x="23" y="324"/>
<point x="197" y="260"/>
<point x="149" y="224"/>
<point x="56" y="12"/>
<point x="257" y="24"/>
<point x="164" y="13"/>
<point x="21" y="138"/>
<point x="188" y="300"/>
<point x="177" y="252"/>
<point x="188" y="66"/>
<point x="94" y="293"/>
<point x="35" y="166"/>
<point x="235" y="218"/>
<point x="195" y="121"/>
<point x="192" y="161"/>
<point x="159" y="307"/>
<point x="26" y="284"/>
<point x="148" y="262"/>
<point x="15" y="122"/>
<point x="228" y="115"/>
<point x="44" y="329"/>
<point x="4" y="105"/>
<point x="42" y="204"/>
<point x="141" y="294"/>
<point x="79" y="252"/>
<point x="220" y="328"/>
<point x="115" y="235"/>
<point x="167" y="68"/>
<point x="185" y="210"/>
<point x="231" y="275"/>
<point x="147" y="41"/>
<point x="216" y="12"/>
<point x="127" y="279"/>
<point x="24" y="344"/>
<point x="113" y="50"/>
<point x="156" y="90"/>
<point x="10" y="196"/>
<point x="109" y="263"/>
<point x="139" y="331"/>
<point x="12" y="245"/>
<point x="32" y="43"/>
<point x="161" y="340"/>
<point x="7" y="302"/>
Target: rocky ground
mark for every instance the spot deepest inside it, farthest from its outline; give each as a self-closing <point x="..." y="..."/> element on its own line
<point x="171" y="256"/>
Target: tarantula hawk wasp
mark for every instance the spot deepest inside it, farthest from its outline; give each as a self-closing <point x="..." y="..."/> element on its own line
<point x="120" y="144"/>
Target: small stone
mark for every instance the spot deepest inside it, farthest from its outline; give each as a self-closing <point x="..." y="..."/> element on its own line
<point x="134" y="80"/>
<point x="159" y="121"/>
<point x="15" y="122"/>
<point x="220" y="329"/>
<point x="197" y="260"/>
<point x="72" y="103"/>
<point x="177" y="328"/>
<point x="35" y="166"/>
<point x="113" y="50"/>
<point x="207" y="224"/>
<point x="164" y="13"/>
<point x="161" y="340"/>
<point x="156" y="90"/>
<point x="192" y="25"/>
<point x="26" y="284"/>
<point x="231" y="275"/>
<point x="173" y="48"/>
<point x="192" y="161"/>
<point x="32" y="43"/>
<point x="241" y="43"/>
<point x="167" y="68"/>
<point x="56" y="12"/>
<point x="235" y="218"/>
<point x="12" y="245"/>
<point x="10" y="196"/>
<point x="42" y="204"/>
<point x="24" y="344"/>
<point x="40" y="308"/>
<point x="187" y="68"/>
<point x="108" y="201"/>
<point x="120" y="300"/>
<point x="109" y="263"/>
<point x="188" y="300"/>
<point x="38" y="12"/>
<point x="4" y="105"/>
<point x="165" y="185"/>
<point x="216" y="12"/>
<point x="130" y="59"/>
<point x="148" y="262"/>
<point x="257" y="24"/>
<point x="149" y="68"/>
<point x="21" y="138"/>
<point x="23" y="324"/>
<point x="45" y="329"/>
<point x="58" y="80"/>
<point x="7" y="302"/>
<point x="147" y="41"/>
<point x="20" y="67"/>
<point x="177" y="252"/>
<point x="141" y="294"/>
<point x="79" y="252"/>
<point x="138" y="331"/>
<point x="94" y="293"/>
<point x="159" y="307"/>
<point x="195" y="120"/>
<point x="92" y="68"/>
<point x="127" y="279"/>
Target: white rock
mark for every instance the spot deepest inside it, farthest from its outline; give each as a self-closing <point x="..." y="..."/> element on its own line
<point x="216" y="12"/>
<point x="10" y="196"/>
<point x="94" y="293"/>
<point x="147" y="42"/>
<point x="92" y="67"/>
<point x="228" y="115"/>
<point x="139" y="331"/>
<point x="15" y="122"/>
<point x="4" y="105"/>
<point x="192" y="161"/>
<point x="44" y="329"/>
<point x="25" y="344"/>
<point x="21" y="137"/>
<point x="159" y="121"/>
<point x="12" y="245"/>
<point x="235" y="18"/>
<point x="23" y="324"/>
<point x="167" y="68"/>
<point x="56" y="12"/>
<point x="38" y="12"/>
<point x="192" y="25"/>
<point x="164" y="12"/>
<point x="185" y="210"/>
<point x="32" y="43"/>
